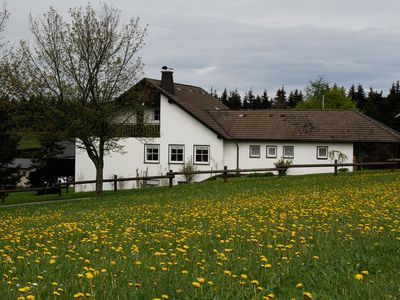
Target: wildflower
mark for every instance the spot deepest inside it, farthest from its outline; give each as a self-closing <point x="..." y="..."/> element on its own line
<point x="255" y="282"/>
<point x="315" y="257"/>
<point x="267" y="266"/>
<point x="307" y="295"/>
<point x="359" y="277"/>
<point x="103" y="270"/>
<point x="365" y="272"/>
<point x="52" y="261"/>
<point x="24" y="289"/>
<point x="30" y="297"/>
<point x="299" y="285"/>
<point x="89" y="275"/>
<point x="164" y="296"/>
<point x="184" y="272"/>
<point x="271" y="296"/>
<point x="196" y="284"/>
<point x="260" y="289"/>
<point x="226" y="272"/>
<point x="78" y="295"/>
<point x="201" y="279"/>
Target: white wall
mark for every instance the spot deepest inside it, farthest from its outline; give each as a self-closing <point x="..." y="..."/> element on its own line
<point x="304" y="153"/>
<point x="176" y="127"/>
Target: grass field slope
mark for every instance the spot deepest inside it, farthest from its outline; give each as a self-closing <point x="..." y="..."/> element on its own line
<point x="304" y="237"/>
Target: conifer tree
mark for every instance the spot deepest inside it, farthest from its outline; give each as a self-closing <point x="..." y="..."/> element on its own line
<point x="265" y="102"/>
<point x="234" y="100"/>
<point x="224" y="98"/>
<point x="280" y="99"/>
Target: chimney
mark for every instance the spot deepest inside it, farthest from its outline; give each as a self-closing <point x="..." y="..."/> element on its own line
<point x="167" y="80"/>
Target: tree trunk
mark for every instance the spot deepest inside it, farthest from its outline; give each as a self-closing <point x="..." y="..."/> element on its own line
<point x="99" y="178"/>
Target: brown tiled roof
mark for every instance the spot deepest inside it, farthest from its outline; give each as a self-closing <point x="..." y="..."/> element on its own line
<point x="196" y="102"/>
<point x="304" y="125"/>
<point x="294" y="125"/>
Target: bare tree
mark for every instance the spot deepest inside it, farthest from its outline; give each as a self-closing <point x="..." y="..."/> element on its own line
<point x="76" y="70"/>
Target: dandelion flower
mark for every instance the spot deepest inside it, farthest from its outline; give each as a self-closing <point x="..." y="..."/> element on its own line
<point x="196" y="284"/>
<point x="359" y="277"/>
<point x="307" y="295"/>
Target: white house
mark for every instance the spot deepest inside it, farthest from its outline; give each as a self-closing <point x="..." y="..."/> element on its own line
<point x="184" y="124"/>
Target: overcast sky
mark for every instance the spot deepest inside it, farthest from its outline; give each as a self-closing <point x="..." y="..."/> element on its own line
<point x="258" y="44"/>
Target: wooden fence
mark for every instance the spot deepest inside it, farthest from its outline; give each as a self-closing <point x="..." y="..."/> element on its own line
<point x="225" y="172"/>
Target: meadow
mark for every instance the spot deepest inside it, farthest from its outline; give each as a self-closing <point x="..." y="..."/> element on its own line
<point x="303" y="237"/>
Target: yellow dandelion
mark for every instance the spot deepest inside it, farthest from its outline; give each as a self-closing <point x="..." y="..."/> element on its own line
<point x="307" y="295"/>
<point x="196" y="284"/>
<point x="89" y="275"/>
<point x="359" y="277"/>
<point x="255" y="282"/>
<point x="30" y="297"/>
<point x="79" y="295"/>
<point x="299" y="286"/>
<point x="365" y="272"/>
<point x="243" y="276"/>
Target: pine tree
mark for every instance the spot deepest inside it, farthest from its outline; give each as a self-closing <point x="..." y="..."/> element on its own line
<point x="224" y="98"/>
<point x="246" y="101"/>
<point x="234" y="100"/>
<point x="374" y="106"/>
<point x="294" y="98"/>
<point x="265" y="103"/>
<point x="257" y="103"/>
<point x="392" y="107"/>
<point x="280" y="99"/>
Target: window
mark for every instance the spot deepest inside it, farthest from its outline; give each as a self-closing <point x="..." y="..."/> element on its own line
<point x="151" y="153"/>
<point x="322" y="152"/>
<point x="202" y="155"/>
<point x="176" y="154"/>
<point x="156" y="115"/>
<point x="271" y="152"/>
<point x="254" y="151"/>
<point x="288" y="151"/>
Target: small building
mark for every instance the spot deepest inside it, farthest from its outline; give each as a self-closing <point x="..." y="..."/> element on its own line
<point x="180" y="125"/>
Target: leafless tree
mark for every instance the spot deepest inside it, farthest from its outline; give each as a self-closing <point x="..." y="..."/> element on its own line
<point x="76" y="70"/>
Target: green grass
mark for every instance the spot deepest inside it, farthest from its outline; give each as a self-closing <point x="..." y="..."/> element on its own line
<point x="28" y="141"/>
<point x="249" y="238"/>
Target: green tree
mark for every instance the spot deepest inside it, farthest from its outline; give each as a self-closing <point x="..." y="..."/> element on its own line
<point x="295" y="98"/>
<point x="280" y="99"/>
<point x="234" y="100"/>
<point x="319" y="92"/>
<point x="358" y="96"/>
<point x="375" y="105"/>
<point x="265" y="102"/>
<point x="77" y="70"/>
<point x="224" y="97"/>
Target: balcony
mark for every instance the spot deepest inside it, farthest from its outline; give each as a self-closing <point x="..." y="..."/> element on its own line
<point x="141" y="130"/>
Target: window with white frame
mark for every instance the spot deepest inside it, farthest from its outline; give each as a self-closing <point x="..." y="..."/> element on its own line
<point x="322" y="152"/>
<point x="254" y="151"/>
<point x="176" y="154"/>
<point x="152" y="153"/>
<point x="202" y="155"/>
<point x="288" y="151"/>
<point x="271" y="151"/>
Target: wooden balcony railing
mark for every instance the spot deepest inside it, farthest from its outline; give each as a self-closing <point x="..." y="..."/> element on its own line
<point x="141" y="130"/>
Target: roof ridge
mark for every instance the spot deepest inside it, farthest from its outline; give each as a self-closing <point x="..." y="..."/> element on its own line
<point x="189" y="85"/>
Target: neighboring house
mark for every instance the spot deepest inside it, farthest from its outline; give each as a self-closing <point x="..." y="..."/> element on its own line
<point x="25" y="167"/>
<point x="187" y="125"/>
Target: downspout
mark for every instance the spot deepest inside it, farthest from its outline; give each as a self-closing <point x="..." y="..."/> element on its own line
<point x="237" y="157"/>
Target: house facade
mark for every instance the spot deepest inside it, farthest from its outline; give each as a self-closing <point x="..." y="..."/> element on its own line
<point x="190" y="127"/>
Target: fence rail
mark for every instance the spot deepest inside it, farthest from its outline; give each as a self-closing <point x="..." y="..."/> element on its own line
<point x="282" y="169"/>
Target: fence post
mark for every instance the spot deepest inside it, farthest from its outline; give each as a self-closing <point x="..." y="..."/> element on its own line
<point x="171" y="177"/>
<point x="225" y="174"/>
<point x="67" y="188"/>
<point x="335" y="167"/>
<point x="59" y="187"/>
<point x="115" y="183"/>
